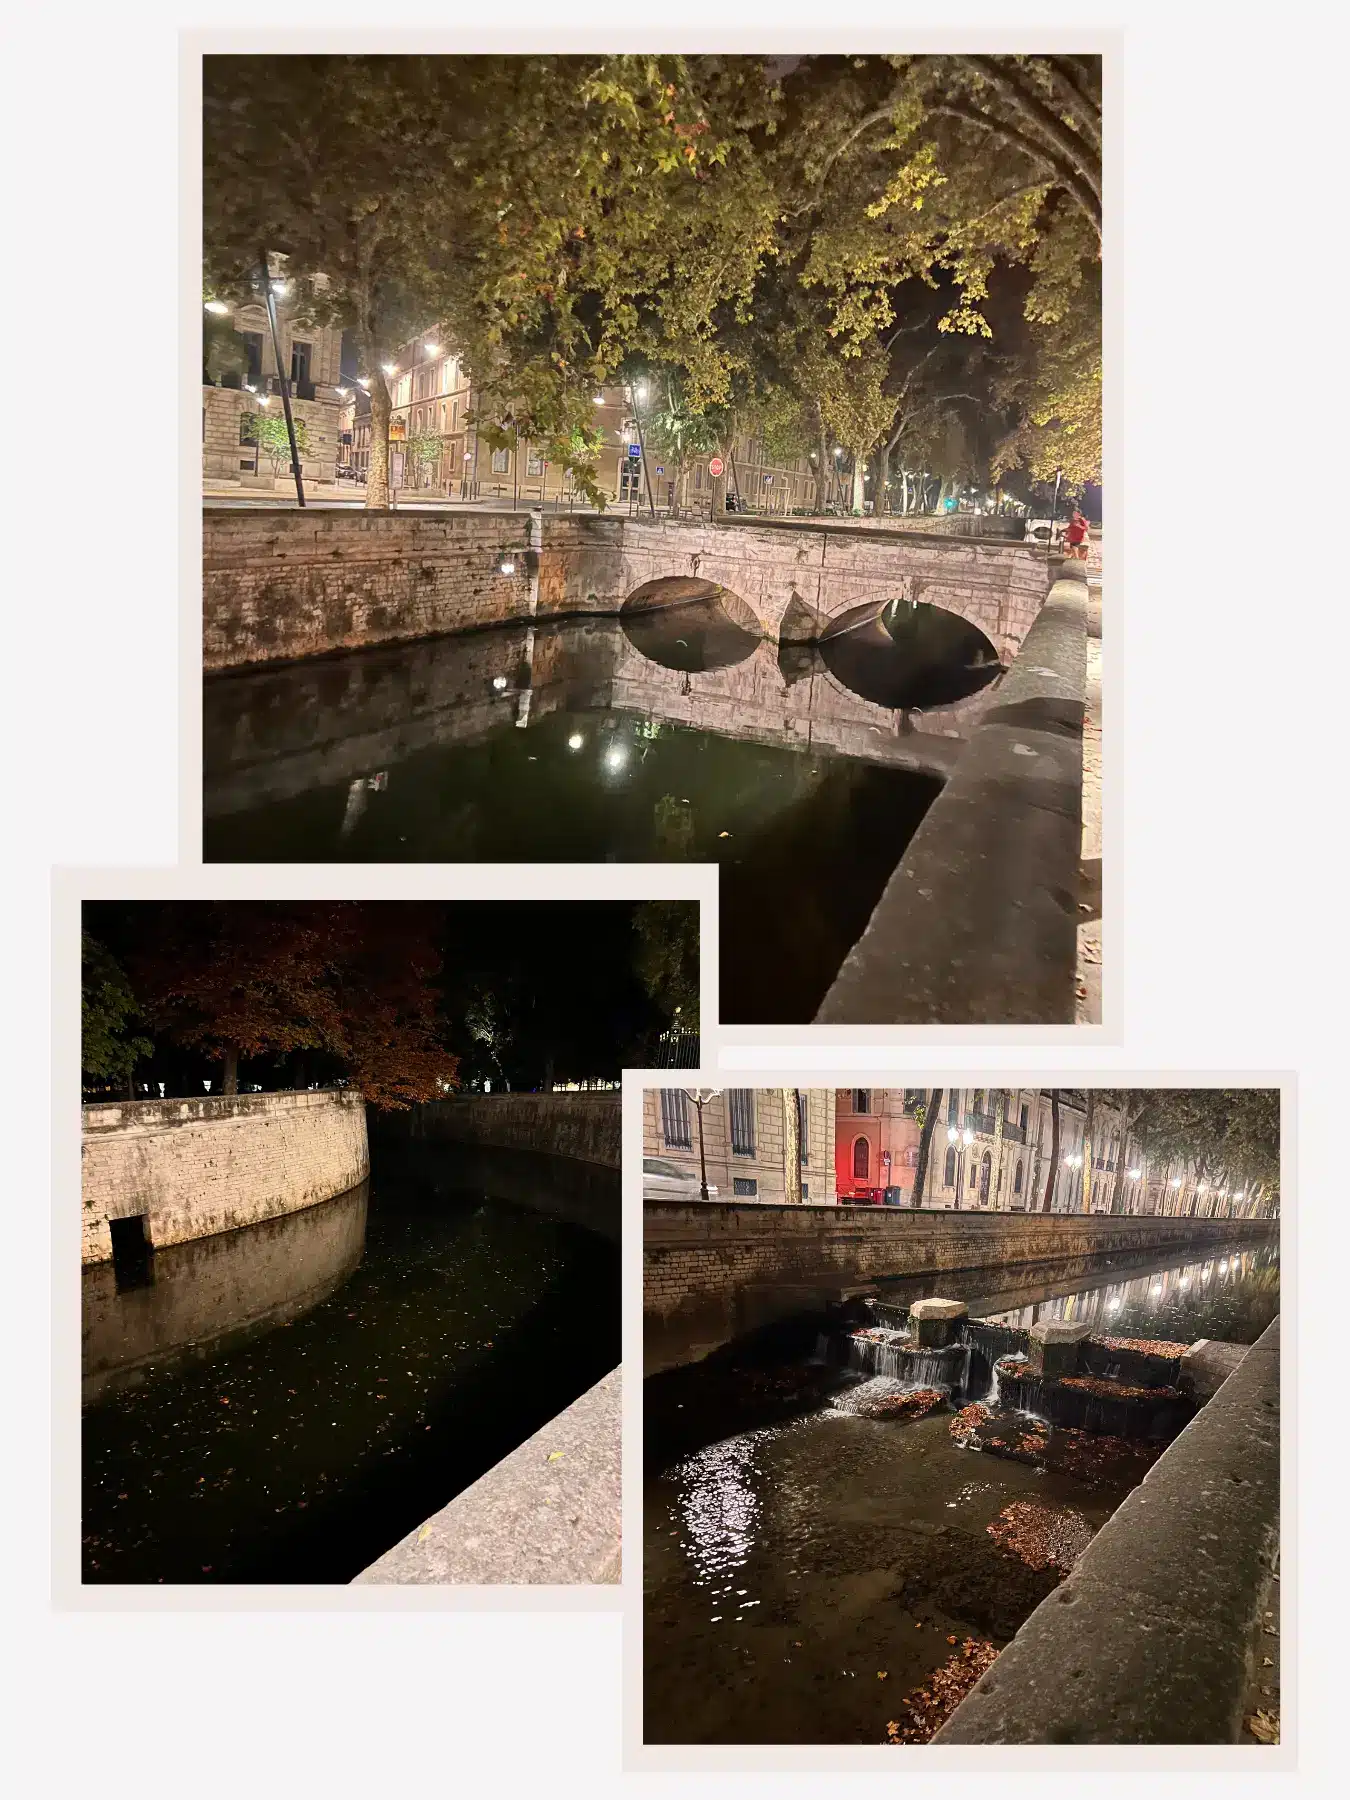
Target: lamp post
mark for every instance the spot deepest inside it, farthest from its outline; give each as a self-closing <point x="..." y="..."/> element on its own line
<point x="270" y="301"/>
<point x="633" y="394"/>
<point x="1054" y="508"/>
<point x="699" y="1096"/>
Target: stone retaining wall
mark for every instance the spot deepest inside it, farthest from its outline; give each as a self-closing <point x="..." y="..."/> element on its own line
<point x="979" y="923"/>
<point x="585" y="1126"/>
<point x="1156" y="1635"/>
<point x="192" y="1168"/>
<point x="712" y="1272"/>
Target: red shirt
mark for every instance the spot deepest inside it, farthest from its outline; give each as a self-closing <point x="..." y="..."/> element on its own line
<point x="1077" y="531"/>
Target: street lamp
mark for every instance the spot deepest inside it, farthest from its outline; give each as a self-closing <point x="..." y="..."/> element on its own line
<point x="216" y="306"/>
<point x="699" y="1096"/>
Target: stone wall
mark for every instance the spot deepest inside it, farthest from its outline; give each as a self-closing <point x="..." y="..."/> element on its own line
<point x="282" y="584"/>
<point x="1160" y="1634"/>
<point x="192" y="1168"/>
<point x="212" y="1294"/>
<point x="712" y="1272"/>
<point x="581" y="1125"/>
<point x="286" y="584"/>
<point x="979" y="923"/>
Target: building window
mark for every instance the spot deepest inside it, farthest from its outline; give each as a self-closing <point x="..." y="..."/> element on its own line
<point x="860" y="1159"/>
<point x="806" y="1190"/>
<point x="949" y="1170"/>
<point x="1025" y="1116"/>
<point x="501" y="462"/>
<point x="986" y="1171"/>
<point x="454" y="415"/>
<point x="861" y="1097"/>
<point x="1017" y="1178"/>
<point x="245" y="429"/>
<point x="534" y="463"/>
<point x="741" y="1102"/>
<point x="744" y="1187"/>
<point x="803" y="1140"/>
<point x="301" y="357"/>
<point x="675" y="1119"/>
<point x="953" y="1103"/>
<point x="253" y="347"/>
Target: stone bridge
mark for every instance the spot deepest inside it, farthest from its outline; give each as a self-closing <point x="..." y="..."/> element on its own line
<point x="793" y="582"/>
<point x="279" y="586"/>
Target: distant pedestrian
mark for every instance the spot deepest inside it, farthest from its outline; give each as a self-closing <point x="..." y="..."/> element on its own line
<point x="1076" y="537"/>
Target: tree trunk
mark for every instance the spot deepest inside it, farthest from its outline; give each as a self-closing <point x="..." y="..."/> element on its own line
<point x="792" y="1147"/>
<point x="1047" y="1204"/>
<point x="822" y="470"/>
<point x="881" y="487"/>
<point x="857" y="499"/>
<point x="377" y="477"/>
<point x="1087" y="1150"/>
<point x="131" y="1084"/>
<point x="925" y="1143"/>
<point x="230" y="1085"/>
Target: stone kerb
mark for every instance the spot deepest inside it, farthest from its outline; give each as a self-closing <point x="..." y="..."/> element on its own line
<point x="1054" y="1348"/>
<point x="979" y="923"/>
<point x="936" y="1322"/>
<point x="1155" y="1635"/>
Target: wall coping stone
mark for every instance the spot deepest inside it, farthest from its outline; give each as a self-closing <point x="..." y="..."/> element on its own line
<point x="547" y="1514"/>
<point x="1152" y="1638"/>
<point x="939" y="1309"/>
<point x="979" y="923"/>
<point x="1056" y="1331"/>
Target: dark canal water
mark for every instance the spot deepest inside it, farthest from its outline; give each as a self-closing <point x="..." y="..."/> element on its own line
<point x="674" y="738"/>
<point x="802" y="1575"/>
<point x="285" y="1402"/>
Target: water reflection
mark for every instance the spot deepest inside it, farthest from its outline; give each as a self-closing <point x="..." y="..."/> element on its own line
<point x="719" y="1513"/>
<point x="909" y="655"/>
<point x="202" y="1298"/>
<point x="1233" y="1297"/>
<point x="683" y="623"/>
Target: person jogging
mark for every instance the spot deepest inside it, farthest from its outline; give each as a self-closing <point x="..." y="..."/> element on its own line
<point x="1076" y="537"/>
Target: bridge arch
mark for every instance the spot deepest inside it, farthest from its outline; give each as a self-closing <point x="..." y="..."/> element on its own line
<point x="684" y="622"/>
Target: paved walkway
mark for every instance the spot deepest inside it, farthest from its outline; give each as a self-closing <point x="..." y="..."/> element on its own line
<point x="1088" y="1005"/>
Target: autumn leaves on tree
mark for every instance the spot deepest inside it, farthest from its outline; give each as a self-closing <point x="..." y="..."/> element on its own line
<point x="238" y="979"/>
<point x="900" y="251"/>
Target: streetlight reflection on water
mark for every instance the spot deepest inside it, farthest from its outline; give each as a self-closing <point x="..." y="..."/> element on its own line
<point x="719" y="1515"/>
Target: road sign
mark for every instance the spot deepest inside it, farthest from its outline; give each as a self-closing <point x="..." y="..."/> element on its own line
<point x="716" y="466"/>
<point x="634" y="451"/>
<point x="660" y="469"/>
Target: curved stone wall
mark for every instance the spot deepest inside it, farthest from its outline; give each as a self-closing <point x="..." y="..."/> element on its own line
<point x="192" y="1168"/>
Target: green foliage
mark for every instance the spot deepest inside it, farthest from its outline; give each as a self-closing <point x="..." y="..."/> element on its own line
<point x="109" y="1048"/>
<point x="668" y="957"/>
<point x="268" y="431"/>
<point x="1230" y="1133"/>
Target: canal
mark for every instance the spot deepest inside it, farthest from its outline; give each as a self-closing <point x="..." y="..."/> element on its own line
<point x="676" y="734"/>
<point x="284" y="1402"/>
<point x="806" y="1567"/>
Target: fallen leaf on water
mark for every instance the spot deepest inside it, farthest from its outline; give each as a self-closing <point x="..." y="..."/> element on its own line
<point x="951" y="1640"/>
<point x="1264" y="1727"/>
<point x="882" y="1674"/>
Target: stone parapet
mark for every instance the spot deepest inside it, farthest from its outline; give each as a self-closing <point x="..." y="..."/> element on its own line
<point x="1154" y="1637"/>
<point x="979" y="923"/>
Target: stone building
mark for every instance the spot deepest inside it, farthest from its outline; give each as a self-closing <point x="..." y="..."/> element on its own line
<point x="433" y="449"/>
<point x="743" y="1132"/>
<point x="877" y="1142"/>
<point x="240" y="379"/>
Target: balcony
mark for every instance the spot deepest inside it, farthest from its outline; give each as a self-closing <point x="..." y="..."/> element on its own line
<point x="980" y="1123"/>
<point x="1014" y="1134"/>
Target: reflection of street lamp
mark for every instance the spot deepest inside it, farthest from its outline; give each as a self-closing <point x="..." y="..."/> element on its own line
<point x="699" y="1096"/>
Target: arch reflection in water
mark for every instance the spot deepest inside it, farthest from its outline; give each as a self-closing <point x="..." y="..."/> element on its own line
<point x="205" y="1297"/>
<point x="684" y="623"/>
<point x="908" y="654"/>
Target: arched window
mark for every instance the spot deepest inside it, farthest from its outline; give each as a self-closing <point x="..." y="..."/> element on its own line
<point x="1017" y="1181"/>
<point x="949" y="1170"/>
<point x="860" y="1159"/>
<point x="986" y="1170"/>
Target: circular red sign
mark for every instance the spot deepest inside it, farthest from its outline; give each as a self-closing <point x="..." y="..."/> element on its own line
<point x="716" y="466"/>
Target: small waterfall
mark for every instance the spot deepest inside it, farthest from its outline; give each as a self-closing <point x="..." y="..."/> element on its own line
<point x="882" y="1351"/>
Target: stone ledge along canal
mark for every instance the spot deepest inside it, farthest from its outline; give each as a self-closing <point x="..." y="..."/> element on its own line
<point x="806" y="1567"/>
<point x="794" y="769"/>
<point x="316" y="1386"/>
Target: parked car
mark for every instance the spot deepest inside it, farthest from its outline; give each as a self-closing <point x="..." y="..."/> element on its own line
<point x="662" y="1180"/>
<point x="869" y="1196"/>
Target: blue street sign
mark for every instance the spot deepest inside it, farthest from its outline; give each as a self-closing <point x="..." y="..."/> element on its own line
<point x="635" y="450"/>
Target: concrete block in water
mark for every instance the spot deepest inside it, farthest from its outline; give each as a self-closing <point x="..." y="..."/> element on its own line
<point x="1054" y="1348"/>
<point x="935" y="1321"/>
<point x="1207" y="1365"/>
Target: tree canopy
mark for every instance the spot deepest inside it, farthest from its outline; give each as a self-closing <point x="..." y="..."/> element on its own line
<point x="758" y="232"/>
